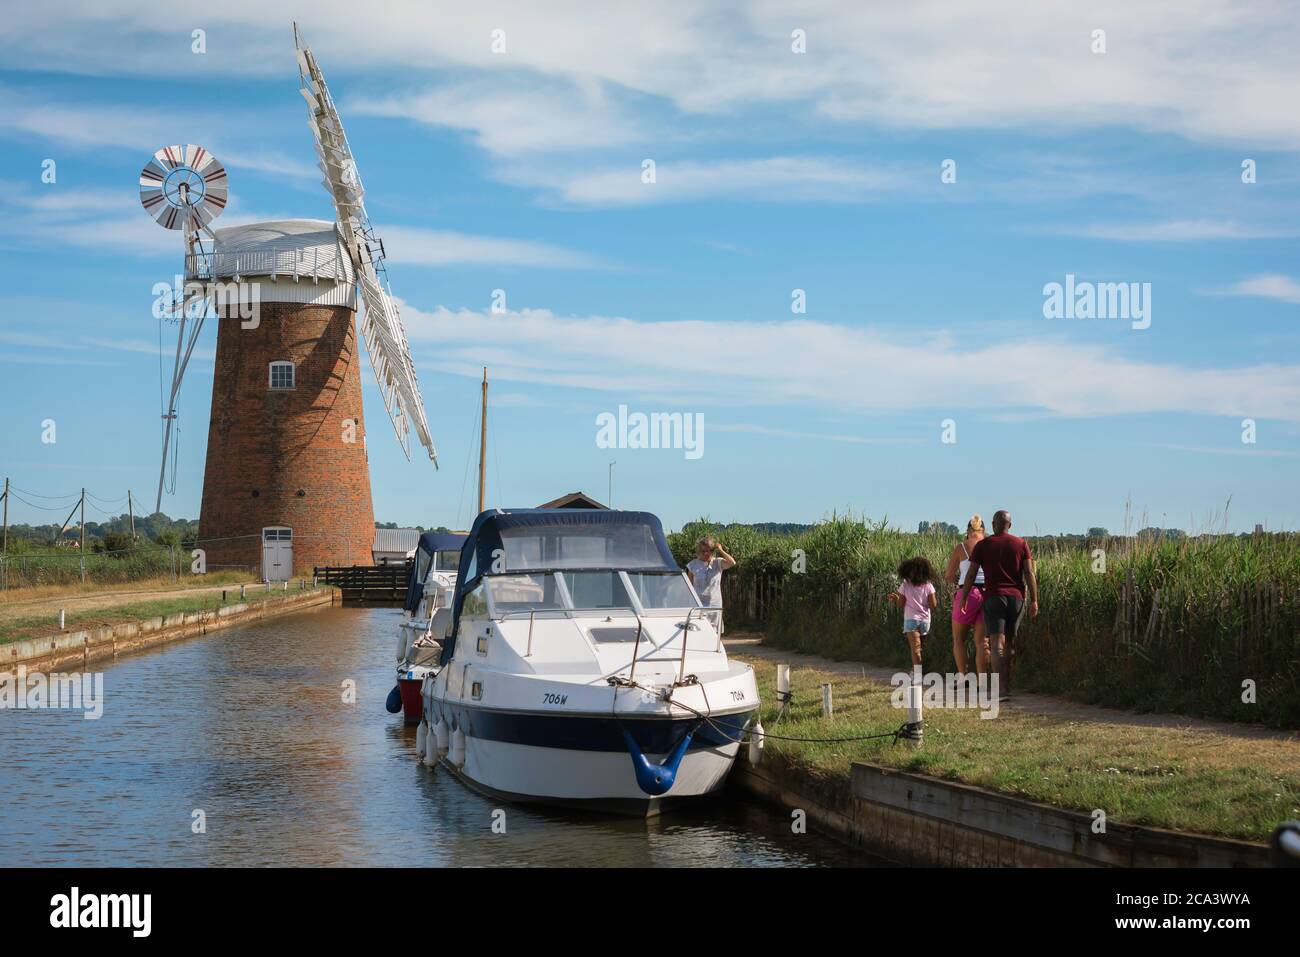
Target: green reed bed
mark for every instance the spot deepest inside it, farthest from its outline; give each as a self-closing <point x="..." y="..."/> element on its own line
<point x="1161" y="625"/>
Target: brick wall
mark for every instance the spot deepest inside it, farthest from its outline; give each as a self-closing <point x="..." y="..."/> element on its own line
<point x="284" y="457"/>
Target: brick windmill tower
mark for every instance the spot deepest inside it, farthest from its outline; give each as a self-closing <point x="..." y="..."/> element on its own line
<point x="287" y="481"/>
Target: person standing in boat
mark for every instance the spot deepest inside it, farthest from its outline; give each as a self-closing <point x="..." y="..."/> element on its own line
<point x="706" y="569"/>
<point x="973" y="613"/>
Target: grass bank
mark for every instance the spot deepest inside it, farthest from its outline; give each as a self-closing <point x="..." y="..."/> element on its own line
<point x="1143" y="623"/>
<point x="1198" y="781"/>
<point x="13" y="597"/>
<point x="36" y="625"/>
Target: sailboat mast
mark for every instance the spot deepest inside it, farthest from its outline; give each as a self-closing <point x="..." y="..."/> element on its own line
<point x="482" y="445"/>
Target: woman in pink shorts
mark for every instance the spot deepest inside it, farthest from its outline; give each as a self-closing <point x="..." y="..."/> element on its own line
<point x="954" y="574"/>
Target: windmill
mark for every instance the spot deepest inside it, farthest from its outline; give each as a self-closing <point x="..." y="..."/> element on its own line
<point x="287" y="478"/>
<point x="183" y="188"/>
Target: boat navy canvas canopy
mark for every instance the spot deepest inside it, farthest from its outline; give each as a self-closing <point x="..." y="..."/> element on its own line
<point x="541" y="539"/>
<point x="430" y="544"/>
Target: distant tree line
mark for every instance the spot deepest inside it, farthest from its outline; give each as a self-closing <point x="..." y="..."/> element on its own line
<point x="421" y="528"/>
<point x="113" y="535"/>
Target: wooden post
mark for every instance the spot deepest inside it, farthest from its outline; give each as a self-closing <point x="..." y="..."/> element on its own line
<point x="130" y="510"/>
<point x="5" y="547"/>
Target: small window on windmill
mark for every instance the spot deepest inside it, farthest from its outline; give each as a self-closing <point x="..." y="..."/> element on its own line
<point x="282" y="376"/>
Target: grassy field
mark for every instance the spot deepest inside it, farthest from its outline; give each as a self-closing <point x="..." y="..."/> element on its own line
<point x="14" y="597"/>
<point x="29" y="565"/>
<point x="1146" y="624"/>
<point x="1231" y="786"/>
<point x="20" y="626"/>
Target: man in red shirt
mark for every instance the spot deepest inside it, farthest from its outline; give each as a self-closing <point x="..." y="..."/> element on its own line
<point x="1008" y="569"/>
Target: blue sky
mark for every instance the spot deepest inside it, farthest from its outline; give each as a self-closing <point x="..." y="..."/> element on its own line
<point x="522" y="171"/>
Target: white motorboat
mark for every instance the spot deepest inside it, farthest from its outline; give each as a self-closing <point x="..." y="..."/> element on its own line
<point x="426" y="618"/>
<point x="580" y="667"/>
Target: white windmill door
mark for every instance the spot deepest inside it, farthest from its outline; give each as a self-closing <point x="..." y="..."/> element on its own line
<point x="277" y="554"/>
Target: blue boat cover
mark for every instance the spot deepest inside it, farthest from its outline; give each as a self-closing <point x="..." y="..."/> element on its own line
<point x="518" y="541"/>
<point x="430" y="544"/>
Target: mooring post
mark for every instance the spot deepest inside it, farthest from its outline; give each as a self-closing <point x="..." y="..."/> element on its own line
<point x="913" y="731"/>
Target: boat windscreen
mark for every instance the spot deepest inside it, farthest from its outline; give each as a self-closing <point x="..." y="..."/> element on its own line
<point x="518" y="593"/>
<point x="613" y="546"/>
<point x="662" y="590"/>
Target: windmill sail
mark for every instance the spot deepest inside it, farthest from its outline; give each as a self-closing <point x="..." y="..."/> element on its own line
<point x="380" y="323"/>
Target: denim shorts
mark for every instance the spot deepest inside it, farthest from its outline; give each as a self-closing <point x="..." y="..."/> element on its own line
<point x="913" y="624"/>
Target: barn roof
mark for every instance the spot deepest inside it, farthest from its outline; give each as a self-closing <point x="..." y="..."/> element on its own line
<point x="401" y="540"/>
<point x="573" y="500"/>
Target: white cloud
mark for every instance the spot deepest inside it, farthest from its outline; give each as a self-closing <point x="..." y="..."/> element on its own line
<point x="431" y="247"/>
<point x="776" y="179"/>
<point x="1220" y="450"/>
<point x="1210" y="70"/>
<point x="112" y="221"/>
<point x="1282" y="288"/>
<point x="511" y="121"/>
<point x="838" y="368"/>
<point x="800" y="434"/>
<point x="144" y="130"/>
<point x="144" y="346"/>
<point x="577" y="82"/>
<point x="1178" y="230"/>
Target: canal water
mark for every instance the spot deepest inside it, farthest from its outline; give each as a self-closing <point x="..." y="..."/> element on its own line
<point x="249" y="727"/>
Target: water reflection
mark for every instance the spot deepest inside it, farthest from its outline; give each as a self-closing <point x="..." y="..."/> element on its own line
<point x="249" y="727"/>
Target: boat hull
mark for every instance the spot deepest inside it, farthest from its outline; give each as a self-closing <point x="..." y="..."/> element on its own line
<point x="583" y="760"/>
<point x="412" y="703"/>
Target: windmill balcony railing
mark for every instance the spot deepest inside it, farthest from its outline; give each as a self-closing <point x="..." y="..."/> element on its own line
<point x="314" y="264"/>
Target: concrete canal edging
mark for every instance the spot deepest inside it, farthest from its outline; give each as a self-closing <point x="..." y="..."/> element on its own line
<point x="919" y="820"/>
<point x="80" y="648"/>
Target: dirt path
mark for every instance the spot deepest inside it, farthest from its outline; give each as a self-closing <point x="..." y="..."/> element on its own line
<point x="750" y="645"/>
<point x="89" y="601"/>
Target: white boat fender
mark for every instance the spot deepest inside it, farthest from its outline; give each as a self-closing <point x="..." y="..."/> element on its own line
<point x="457" y="753"/>
<point x="756" y="741"/>
<point x="440" y="737"/>
<point x="421" y="738"/>
<point x="401" y="644"/>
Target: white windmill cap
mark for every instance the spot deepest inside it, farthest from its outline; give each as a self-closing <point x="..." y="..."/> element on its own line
<point x="291" y="260"/>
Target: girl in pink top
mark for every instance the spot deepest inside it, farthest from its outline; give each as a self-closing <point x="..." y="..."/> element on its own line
<point x="916" y="597"/>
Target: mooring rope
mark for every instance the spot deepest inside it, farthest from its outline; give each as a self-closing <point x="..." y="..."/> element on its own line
<point x="902" y="729"/>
